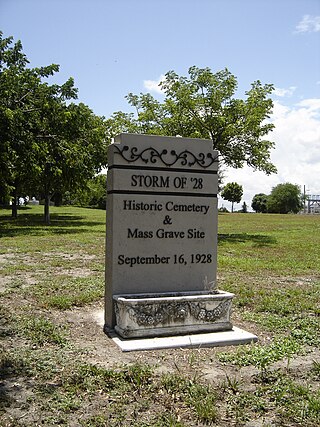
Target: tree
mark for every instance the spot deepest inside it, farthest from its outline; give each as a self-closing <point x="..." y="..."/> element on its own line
<point x="19" y="87"/>
<point x="259" y="203"/>
<point x="244" y="208"/>
<point x="24" y="96"/>
<point x="233" y="193"/>
<point x="93" y="194"/>
<point x="47" y="144"/>
<point x="74" y="149"/>
<point x="285" y="198"/>
<point x="203" y="106"/>
<point x="121" y="122"/>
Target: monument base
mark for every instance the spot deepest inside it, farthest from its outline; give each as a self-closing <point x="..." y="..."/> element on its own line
<point x="175" y="313"/>
<point x="236" y="336"/>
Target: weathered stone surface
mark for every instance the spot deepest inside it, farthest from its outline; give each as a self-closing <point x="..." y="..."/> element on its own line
<point x="172" y="314"/>
<point x="161" y="217"/>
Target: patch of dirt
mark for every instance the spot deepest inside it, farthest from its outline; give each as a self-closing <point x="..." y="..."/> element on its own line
<point x="86" y="331"/>
<point x="92" y="345"/>
<point x="69" y="256"/>
<point x="8" y="257"/>
<point x="15" y="258"/>
<point x="19" y="280"/>
<point x="85" y="327"/>
<point x="4" y="282"/>
<point x="73" y="272"/>
<point x="25" y="279"/>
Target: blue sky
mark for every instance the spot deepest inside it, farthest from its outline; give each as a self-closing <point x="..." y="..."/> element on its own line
<point x="114" y="47"/>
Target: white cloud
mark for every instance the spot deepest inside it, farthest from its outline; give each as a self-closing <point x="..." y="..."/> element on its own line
<point x="308" y="24"/>
<point x="296" y="154"/>
<point x="311" y="105"/>
<point x="284" y="92"/>
<point x="153" y="85"/>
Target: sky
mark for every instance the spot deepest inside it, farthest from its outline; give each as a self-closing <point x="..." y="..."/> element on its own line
<point x="113" y="47"/>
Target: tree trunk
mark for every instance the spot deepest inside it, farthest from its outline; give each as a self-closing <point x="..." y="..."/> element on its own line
<point x="47" y="209"/>
<point x="14" y="207"/>
<point x="232" y="207"/>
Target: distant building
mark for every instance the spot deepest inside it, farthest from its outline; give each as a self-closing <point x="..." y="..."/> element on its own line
<point x="313" y="202"/>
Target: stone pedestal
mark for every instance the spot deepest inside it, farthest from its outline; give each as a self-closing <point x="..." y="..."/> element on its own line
<point x="172" y="314"/>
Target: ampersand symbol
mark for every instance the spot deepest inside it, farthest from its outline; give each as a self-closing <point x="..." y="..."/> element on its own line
<point x="167" y="220"/>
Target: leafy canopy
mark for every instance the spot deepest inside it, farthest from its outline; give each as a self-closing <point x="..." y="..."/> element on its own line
<point x="285" y="198"/>
<point x="232" y="192"/>
<point x="203" y="106"/>
<point x="259" y="203"/>
<point x="19" y="89"/>
<point x="47" y="144"/>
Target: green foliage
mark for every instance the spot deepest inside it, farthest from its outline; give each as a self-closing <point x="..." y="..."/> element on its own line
<point x="261" y="356"/>
<point x="21" y="92"/>
<point x="202" y="398"/>
<point x="47" y="144"/>
<point x="69" y="292"/>
<point x="288" y="400"/>
<point x="316" y="369"/>
<point x="259" y="203"/>
<point x="41" y="331"/>
<point x="120" y="122"/>
<point x="285" y="198"/>
<point x="11" y="364"/>
<point x="203" y="106"/>
<point x="74" y="149"/>
<point x="93" y="195"/>
<point x="232" y="192"/>
<point x="165" y="420"/>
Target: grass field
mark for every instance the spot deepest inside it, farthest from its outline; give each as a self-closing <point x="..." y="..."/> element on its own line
<point x="58" y="368"/>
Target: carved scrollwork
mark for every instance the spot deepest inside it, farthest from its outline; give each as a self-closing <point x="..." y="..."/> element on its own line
<point x="168" y="158"/>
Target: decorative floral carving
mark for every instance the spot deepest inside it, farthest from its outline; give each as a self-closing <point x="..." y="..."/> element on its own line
<point x="155" y="314"/>
<point x="168" y="158"/>
<point x="200" y="313"/>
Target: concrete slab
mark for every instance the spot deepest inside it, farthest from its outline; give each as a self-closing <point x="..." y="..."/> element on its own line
<point x="236" y="336"/>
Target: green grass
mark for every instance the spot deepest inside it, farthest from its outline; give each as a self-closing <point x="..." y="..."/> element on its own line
<point x="201" y="398"/>
<point x="276" y="282"/>
<point x="270" y="262"/>
<point x="270" y="245"/>
<point x="40" y="330"/>
<point x="65" y="293"/>
<point x="294" y="403"/>
<point x="262" y="356"/>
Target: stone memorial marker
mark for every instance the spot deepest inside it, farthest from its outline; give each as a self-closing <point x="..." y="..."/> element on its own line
<point x="161" y="254"/>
